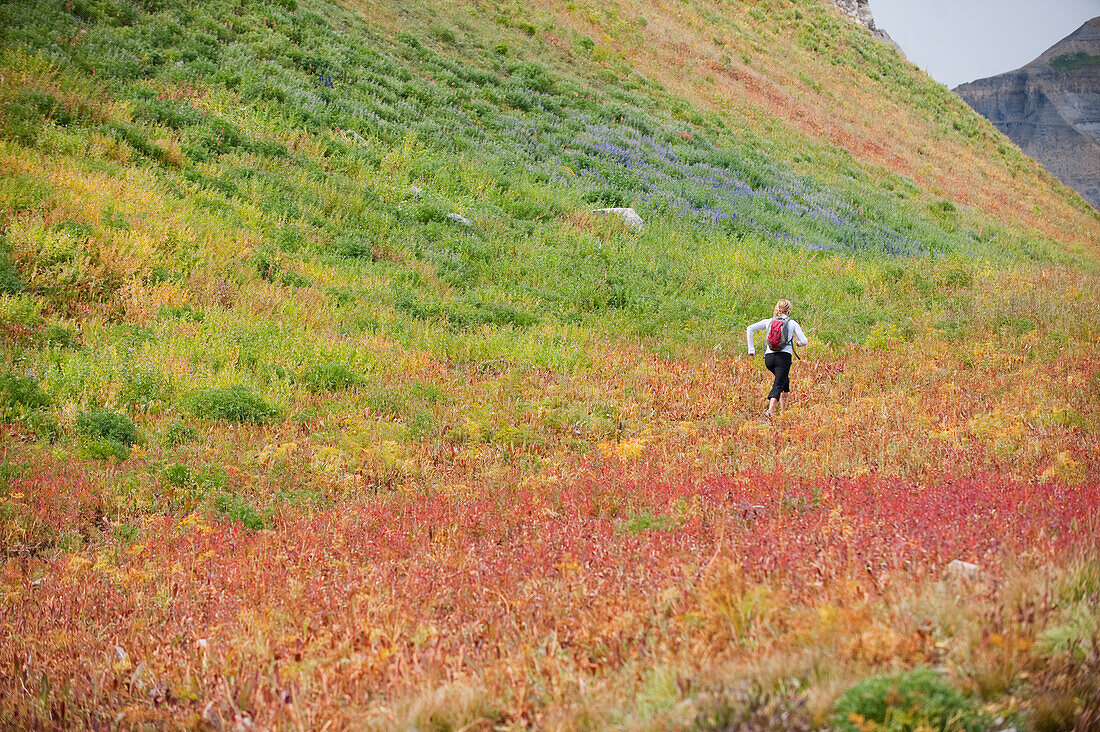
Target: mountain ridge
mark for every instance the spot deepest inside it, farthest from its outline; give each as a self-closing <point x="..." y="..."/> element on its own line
<point x="861" y="11"/>
<point x="1051" y="108"/>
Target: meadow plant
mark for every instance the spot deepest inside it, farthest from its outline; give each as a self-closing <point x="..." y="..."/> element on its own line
<point x="19" y="394"/>
<point x="232" y="404"/>
<point x="907" y="702"/>
<point x="107" y="425"/>
<point x="236" y="508"/>
<point x="330" y="377"/>
<point x="179" y="433"/>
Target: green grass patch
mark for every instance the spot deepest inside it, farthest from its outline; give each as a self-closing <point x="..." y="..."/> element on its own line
<point x="237" y="508"/>
<point x="232" y="404"/>
<point x="330" y="377"/>
<point x="1068" y="61"/>
<point x="21" y="393"/>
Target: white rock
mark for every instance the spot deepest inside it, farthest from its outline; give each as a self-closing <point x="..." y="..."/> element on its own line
<point x="629" y="215"/>
<point x="960" y="570"/>
<point x="460" y="219"/>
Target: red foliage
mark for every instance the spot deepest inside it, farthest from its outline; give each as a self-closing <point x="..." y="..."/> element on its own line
<point x="47" y="498"/>
<point x="387" y="595"/>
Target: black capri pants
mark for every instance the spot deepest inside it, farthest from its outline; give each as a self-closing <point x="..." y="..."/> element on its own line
<point x="780" y="365"/>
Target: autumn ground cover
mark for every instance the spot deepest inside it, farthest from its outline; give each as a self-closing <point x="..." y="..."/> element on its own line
<point x="285" y="446"/>
<point x="603" y="596"/>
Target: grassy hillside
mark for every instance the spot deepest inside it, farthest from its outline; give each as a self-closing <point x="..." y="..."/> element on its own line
<point x="287" y="440"/>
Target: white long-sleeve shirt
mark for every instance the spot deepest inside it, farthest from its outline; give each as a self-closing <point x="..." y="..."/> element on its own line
<point x="795" y="329"/>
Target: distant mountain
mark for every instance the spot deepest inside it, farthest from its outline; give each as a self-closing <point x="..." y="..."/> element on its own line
<point x="1051" y="108"/>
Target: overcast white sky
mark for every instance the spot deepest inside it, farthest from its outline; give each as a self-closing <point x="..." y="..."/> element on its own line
<point x="956" y="41"/>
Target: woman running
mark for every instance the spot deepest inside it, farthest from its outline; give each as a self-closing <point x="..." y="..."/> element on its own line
<point x="783" y="334"/>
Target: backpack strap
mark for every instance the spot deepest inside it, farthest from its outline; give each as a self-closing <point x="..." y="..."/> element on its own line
<point x="791" y="340"/>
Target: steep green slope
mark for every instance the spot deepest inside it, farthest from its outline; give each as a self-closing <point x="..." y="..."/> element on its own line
<point x="230" y="105"/>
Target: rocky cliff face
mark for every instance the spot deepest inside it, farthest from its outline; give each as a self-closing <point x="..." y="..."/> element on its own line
<point x="1051" y="108"/>
<point x="860" y="11"/>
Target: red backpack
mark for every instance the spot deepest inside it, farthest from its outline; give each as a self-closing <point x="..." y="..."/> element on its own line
<point x="779" y="333"/>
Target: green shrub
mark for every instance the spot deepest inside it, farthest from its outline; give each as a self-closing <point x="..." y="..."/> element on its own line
<point x="419" y="91"/>
<point x="233" y="404"/>
<point x="430" y="211"/>
<point x="422" y="427"/>
<point x="196" y="484"/>
<point x="59" y="337"/>
<point x="103" y="424"/>
<point x="22" y="399"/>
<point x="640" y="521"/>
<point x="144" y="388"/>
<point x="136" y="138"/>
<point x="290" y="239"/>
<point x="21" y="393"/>
<point x="492" y="314"/>
<point x="238" y="509"/>
<point x="101" y="449"/>
<point x="10" y="284"/>
<point x="159" y="274"/>
<point x="24" y="116"/>
<point x="607" y="197"/>
<point x="219" y="136"/>
<point x="883" y="336"/>
<point x="293" y="279"/>
<point x="352" y="247"/>
<point x="267" y="267"/>
<point x="181" y="312"/>
<point x="330" y="377"/>
<point x="43" y="424"/>
<point x="22" y="311"/>
<point x="104" y="11"/>
<point x="170" y="114"/>
<point x="520" y="435"/>
<point x="905" y="702"/>
<point x="517" y="95"/>
<point x="443" y="33"/>
<point x="179" y="433"/>
<point x="179" y="476"/>
<point x="535" y="77"/>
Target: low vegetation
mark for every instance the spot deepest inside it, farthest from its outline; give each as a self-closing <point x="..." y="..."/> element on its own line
<point x="327" y="400"/>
